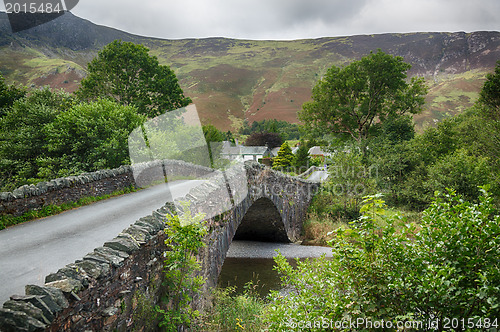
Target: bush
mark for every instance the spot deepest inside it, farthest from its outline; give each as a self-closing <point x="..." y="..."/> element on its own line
<point x="184" y="240"/>
<point x="89" y="137"/>
<point x="444" y="268"/>
<point x="461" y="171"/>
<point x="23" y="137"/>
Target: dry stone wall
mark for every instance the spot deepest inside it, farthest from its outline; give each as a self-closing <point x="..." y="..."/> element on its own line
<point x="72" y="188"/>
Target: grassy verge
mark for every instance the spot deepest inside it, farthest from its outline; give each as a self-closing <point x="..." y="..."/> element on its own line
<point x="49" y="210"/>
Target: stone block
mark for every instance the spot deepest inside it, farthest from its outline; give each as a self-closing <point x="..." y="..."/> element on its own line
<point x="28" y="309"/>
<point x="67" y="285"/>
<point x="128" y="245"/>
<point x="18" y="193"/>
<point x="70" y="271"/>
<point x="157" y="225"/>
<point x="94" y="269"/>
<point x="114" y="260"/>
<point x="54" y="293"/>
<point x="111" y="252"/>
<point x="140" y="234"/>
<point x="38" y="302"/>
<point x="17" y="321"/>
<point x="6" y="196"/>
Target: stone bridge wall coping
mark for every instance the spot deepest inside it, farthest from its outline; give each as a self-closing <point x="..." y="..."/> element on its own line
<point x="112" y="287"/>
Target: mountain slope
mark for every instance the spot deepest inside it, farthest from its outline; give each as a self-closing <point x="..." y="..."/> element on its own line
<point x="230" y="80"/>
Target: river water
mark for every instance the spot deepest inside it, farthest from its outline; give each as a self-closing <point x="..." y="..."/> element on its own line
<point x="252" y="261"/>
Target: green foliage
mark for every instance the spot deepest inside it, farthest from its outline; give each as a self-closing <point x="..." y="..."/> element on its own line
<point x="490" y="93"/>
<point x="90" y="137"/>
<point x="349" y="180"/>
<point x="397" y="129"/>
<point x="461" y="171"/>
<point x="285" y="157"/>
<point x="286" y="130"/>
<point x="302" y="159"/>
<point x="459" y="153"/>
<point x="23" y="137"/>
<point x="235" y="312"/>
<point x="126" y="73"/>
<point x="384" y="268"/>
<point x="214" y="137"/>
<point x="228" y="136"/>
<point x="455" y="258"/>
<point x="212" y="134"/>
<point x="184" y="240"/>
<point x="8" y="95"/>
<point x="144" y="315"/>
<point x="316" y="161"/>
<point x="356" y="99"/>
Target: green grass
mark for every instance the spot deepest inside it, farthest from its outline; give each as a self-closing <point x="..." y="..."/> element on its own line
<point x="50" y="210"/>
<point x="234" y="312"/>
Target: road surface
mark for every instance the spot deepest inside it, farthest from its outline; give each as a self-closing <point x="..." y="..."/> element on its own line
<point x="30" y="251"/>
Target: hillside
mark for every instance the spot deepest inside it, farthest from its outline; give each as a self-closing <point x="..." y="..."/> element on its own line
<point x="230" y="80"/>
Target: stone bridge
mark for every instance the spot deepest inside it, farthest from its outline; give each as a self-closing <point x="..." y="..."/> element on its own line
<point x="113" y="287"/>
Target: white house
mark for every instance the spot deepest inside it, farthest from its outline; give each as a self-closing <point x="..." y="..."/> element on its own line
<point x="240" y="152"/>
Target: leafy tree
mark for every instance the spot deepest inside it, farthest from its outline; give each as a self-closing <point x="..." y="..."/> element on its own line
<point x="287" y="131"/>
<point x="23" y="138"/>
<point x="8" y="95"/>
<point x="245" y="128"/>
<point x="355" y="99"/>
<point x="212" y="134"/>
<point x="389" y="152"/>
<point x="126" y="73"/>
<point x="302" y="158"/>
<point x="460" y="152"/>
<point x="490" y="93"/>
<point x="271" y="140"/>
<point x="285" y="157"/>
<point x="90" y="137"/>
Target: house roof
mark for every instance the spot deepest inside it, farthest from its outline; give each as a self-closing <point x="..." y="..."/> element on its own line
<point x="231" y="150"/>
<point x="317" y="151"/>
<point x="274" y="152"/>
<point x="254" y="150"/>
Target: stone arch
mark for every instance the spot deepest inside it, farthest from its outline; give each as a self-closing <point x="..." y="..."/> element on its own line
<point x="262" y="222"/>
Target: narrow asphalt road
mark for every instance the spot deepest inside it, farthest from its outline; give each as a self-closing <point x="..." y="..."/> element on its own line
<point x="30" y="251"/>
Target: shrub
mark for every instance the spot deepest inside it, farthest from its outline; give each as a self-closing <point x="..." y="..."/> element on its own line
<point x="446" y="267"/>
<point x="184" y="240"/>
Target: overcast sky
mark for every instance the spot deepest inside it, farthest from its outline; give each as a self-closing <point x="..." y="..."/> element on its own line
<point x="288" y="19"/>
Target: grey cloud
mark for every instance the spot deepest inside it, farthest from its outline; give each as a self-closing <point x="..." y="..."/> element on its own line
<point x="289" y="19"/>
